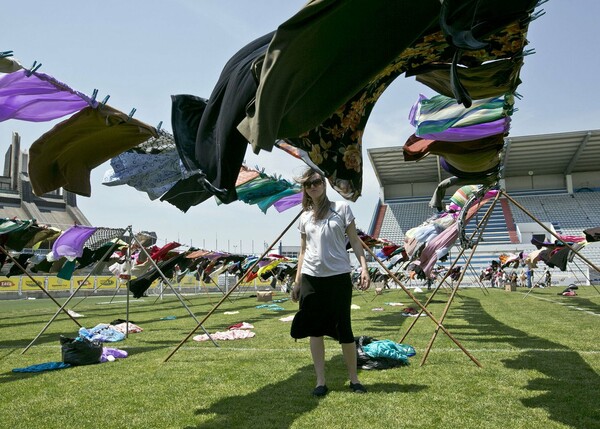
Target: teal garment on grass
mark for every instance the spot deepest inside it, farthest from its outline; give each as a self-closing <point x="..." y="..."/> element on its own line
<point x="41" y="367"/>
<point x="273" y="307"/>
<point x="389" y="349"/>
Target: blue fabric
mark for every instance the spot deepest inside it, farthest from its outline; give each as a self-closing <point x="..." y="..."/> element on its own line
<point x="48" y="366"/>
<point x="273" y="307"/>
<point x="103" y="333"/>
<point x="390" y="350"/>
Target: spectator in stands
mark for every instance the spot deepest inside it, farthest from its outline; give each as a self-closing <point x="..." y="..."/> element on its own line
<point x="323" y="283"/>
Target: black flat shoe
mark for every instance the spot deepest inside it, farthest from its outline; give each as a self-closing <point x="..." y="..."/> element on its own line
<point x="320" y="391"/>
<point x="358" y="388"/>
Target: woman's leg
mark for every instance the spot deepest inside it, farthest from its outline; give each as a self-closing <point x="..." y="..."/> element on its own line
<point x="349" y="352"/>
<point x="317" y="350"/>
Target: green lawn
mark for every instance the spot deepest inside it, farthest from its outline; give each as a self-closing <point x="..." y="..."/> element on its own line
<point x="540" y="355"/>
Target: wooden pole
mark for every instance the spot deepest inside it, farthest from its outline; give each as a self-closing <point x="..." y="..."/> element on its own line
<point x="462" y="251"/>
<point x="233" y="288"/>
<point x="431" y="316"/>
<point x="38" y="284"/>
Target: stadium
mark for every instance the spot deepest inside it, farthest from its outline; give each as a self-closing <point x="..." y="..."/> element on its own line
<point x="554" y="178"/>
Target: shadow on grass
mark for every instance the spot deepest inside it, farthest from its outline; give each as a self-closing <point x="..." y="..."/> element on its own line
<point x="575" y="302"/>
<point x="567" y="389"/>
<point x="278" y="405"/>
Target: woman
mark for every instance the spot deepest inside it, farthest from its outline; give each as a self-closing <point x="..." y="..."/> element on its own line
<point x="323" y="284"/>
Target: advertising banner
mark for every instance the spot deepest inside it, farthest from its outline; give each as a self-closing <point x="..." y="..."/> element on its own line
<point x="106" y="282"/>
<point x="9" y="284"/>
<point x="28" y="284"/>
<point x="54" y="283"/>
<point x="89" y="283"/>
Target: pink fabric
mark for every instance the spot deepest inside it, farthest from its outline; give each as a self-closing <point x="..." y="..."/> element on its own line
<point x="571" y="238"/>
<point x="443" y="240"/>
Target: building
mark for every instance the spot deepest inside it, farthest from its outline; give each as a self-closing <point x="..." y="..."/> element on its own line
<point x="57" y="209"/>
<point x="554" y="178"/>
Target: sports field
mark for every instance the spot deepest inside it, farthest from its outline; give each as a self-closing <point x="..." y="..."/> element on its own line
<point x="540" y="357"/>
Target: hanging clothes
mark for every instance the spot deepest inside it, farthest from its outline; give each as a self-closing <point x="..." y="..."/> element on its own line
<point x="592" y="234"/>
<point x="296" y="94"/>
<point x="288" y="202"/>
<point x="219" y="149"/>
<point x="9" y="65"/>
<point x="38" y="97"/>
<point x="141" y="284"/>
<point x="152" y="173"/>
<point x="161" y="253"/>
<point x="45" y="235"/>
<point x="17" y="240"/>
<point x="491" y="79"/>
<point x="70" y="243"/>
<point x="331" y="134"/>
<point x="415" y="148"/>
<point x="432" y="116"/>
<point x="21" y="261"/>
<point x="65" y="155"/>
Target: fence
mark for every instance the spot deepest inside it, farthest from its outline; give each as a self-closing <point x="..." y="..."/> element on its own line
<point x="22" y="286"/>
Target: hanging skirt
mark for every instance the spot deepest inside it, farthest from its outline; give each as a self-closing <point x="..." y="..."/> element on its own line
<point x="324" y="308"/>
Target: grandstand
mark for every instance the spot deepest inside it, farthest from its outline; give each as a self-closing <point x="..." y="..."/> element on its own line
<point x="554" y="177"/>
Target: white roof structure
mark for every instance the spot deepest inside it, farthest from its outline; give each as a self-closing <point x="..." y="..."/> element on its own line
<point x="545" y="154"/>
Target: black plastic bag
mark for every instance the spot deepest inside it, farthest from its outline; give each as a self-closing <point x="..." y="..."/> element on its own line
<point x="80" y="351"/>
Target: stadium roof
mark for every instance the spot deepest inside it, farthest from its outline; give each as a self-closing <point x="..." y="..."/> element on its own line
<point x="560" y="153"/>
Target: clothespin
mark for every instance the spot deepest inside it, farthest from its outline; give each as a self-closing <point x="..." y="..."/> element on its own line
<point x="525" y="52"/>
<point x="158" y="126"/>
<point x="537" y="14"/>
<point x="33" y="68"/>
<point x="517" y="95"/>
<point x="5" y="54"/>
<point x="131" y="113"/>
<point x="94" y="94"/>
<point x="541" y="2"/>
<point x="105" y="100"/>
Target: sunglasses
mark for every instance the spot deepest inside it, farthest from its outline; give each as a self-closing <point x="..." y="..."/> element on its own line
<point x="311" y="183"/>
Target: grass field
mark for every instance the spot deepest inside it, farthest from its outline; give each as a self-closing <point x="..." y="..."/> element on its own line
<point x="540" y="355"/>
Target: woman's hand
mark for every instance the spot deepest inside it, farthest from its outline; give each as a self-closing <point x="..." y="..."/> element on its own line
<point x="365" y="280"/>
<point x="295" y="294"/>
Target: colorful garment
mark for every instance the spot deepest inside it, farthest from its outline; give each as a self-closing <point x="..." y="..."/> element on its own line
<point x="70" y="243"/>
<point x="65" y="155"/>
<point x="432" y="116"/>
<point x="153" y="173"/>
<point x="331" y="130"/>
<point x="209" y="126"/>
<point x="38" y="97"/>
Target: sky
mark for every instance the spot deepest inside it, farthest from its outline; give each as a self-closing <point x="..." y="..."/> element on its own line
<point x="140" y="52"/>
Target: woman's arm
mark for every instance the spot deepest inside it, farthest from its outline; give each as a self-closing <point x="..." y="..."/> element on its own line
<point x="356" y="244"/>
<point x="296" y="288"/>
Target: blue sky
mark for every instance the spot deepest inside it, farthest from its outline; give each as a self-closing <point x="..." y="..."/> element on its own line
<point x="140" y="52"/>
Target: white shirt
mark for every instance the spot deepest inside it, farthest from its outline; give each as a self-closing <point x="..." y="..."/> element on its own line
<point x="325" y="254"/>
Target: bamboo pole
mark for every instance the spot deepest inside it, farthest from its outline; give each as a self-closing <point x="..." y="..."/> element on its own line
<point x="462" y="251"/>
<point x="233" y="288"/>
<point x="416" y="301"/>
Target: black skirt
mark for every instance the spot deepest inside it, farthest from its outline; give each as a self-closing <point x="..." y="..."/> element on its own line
<point x="324" y="308"/>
